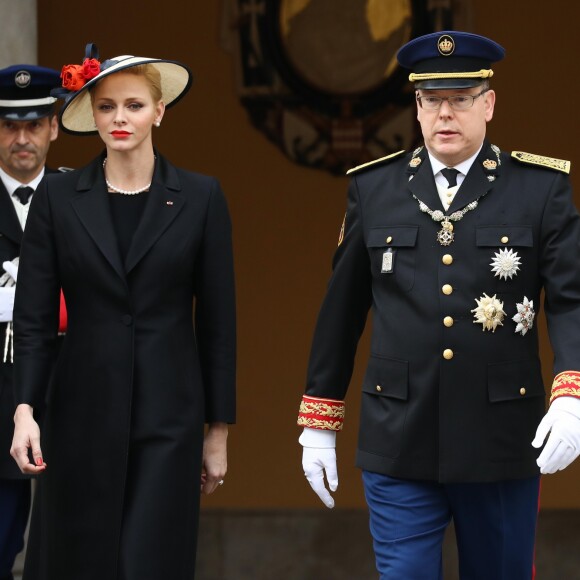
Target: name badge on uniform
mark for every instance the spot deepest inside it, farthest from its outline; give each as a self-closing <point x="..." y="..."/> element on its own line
<point x="388" y="262"/>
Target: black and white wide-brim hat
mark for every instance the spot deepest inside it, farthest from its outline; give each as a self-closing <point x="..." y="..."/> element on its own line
<point x="76" y="115"/>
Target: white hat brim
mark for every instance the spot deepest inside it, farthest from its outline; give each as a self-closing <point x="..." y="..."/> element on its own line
<point x="76" y="116"/>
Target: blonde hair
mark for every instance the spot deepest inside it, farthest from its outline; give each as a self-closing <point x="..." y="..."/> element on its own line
<point x="151" y="75"/>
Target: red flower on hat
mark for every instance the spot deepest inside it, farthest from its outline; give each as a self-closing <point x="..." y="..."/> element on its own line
<point x="74" y="76"/>
<point x="91" y="68"/>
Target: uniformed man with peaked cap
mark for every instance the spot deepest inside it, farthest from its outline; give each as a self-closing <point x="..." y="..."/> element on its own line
<point x="27" y="128"/>
<point x="451" y="246"/>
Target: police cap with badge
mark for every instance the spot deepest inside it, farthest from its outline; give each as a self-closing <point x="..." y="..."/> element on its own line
<point x="25" y="92"/>
<point x="449" y="59"/>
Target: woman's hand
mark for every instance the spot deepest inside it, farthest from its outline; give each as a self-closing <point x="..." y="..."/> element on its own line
<point x="26" y="437"/>
<point x="215" y="461"/>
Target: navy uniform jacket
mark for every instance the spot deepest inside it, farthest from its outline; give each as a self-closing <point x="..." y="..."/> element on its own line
<point x="10" y="239"/>
<point x="443" y="399"/>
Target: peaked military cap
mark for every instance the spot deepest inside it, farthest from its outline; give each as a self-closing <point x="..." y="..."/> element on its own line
<point x="25" y="91"/>
<point x="449" y="59"/>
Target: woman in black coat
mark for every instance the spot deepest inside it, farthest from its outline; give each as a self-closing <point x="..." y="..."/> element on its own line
<point x="143" y="253"/>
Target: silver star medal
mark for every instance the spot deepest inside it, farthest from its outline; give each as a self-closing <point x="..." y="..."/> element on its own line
<point x="505" y="264"/>
<point x="489" y="312"/>
<point x="525" y="316"/>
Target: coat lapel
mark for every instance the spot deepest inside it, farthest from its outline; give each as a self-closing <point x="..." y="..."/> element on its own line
<point x="163" y="206"/>
<point x="477" y="182"/>
<point x="9" y="224"/>
<point x="92" y="208"/>
<point x="423" y="186"/>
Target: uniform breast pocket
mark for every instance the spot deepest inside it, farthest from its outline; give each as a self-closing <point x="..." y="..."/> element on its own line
<point x="392" y="251"/>
<point x="505" y="251"/>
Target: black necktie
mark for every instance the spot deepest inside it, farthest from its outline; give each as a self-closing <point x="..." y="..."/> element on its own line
<point x="450" y="175"/>
<point x="23" y="193"/>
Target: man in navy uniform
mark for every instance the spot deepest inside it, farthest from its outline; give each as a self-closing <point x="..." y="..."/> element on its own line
<point x="27" y="128"/>
<point x="451" y="246"/>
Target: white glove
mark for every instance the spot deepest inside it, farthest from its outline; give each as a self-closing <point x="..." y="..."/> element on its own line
<point x="11" y="273"/>
<point x="318" y="457"/>
<point x="7" y="303"/>
<point x="563" y="446"/>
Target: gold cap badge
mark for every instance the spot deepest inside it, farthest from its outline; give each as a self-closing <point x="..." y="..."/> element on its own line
<point x="446" y="45"/>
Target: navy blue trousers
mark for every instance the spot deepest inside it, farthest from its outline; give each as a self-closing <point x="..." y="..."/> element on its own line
<point x="495" y="527"/>
<point x="14" y="509"/>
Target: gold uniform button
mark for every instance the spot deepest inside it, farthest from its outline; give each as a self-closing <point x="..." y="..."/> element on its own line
<point x="447" y="354"/>
<point x="448" y="321"/>
<point x="447" y="259"/>
<point x="522" y="391"/>
<point x="447" y="289"/>
<point x="505" y="240"/>
<point x="379" y="388"/>
<point x="389" y="239"/>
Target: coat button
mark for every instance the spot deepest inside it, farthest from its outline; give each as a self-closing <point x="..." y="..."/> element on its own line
<point x="447" y="259"/>
<point x="379" y="389"/>
<point x="127" y="319"/>
<point x="523" y="391"/>
<point x="447" y="289"/>
<point x="389" y="239"/>
<point x="447" y="354"/>
<point x="505" y="240"/>
<point x="448" y="321"/>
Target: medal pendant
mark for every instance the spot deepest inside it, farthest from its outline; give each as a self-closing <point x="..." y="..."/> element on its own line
<point x="445" y="234"/>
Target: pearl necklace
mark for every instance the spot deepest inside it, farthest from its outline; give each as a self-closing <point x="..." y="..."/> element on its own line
<point x="123" y="191"/>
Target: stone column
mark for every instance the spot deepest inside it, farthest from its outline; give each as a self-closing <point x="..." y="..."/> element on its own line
<point x="18" y="32"/>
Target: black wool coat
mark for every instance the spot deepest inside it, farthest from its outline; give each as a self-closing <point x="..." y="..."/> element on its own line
<point x="149" y="357"/>
<point x="443" y="399"/>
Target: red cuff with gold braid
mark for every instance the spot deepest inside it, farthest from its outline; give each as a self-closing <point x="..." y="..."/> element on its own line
<point x="321" y="413"/>
<point x="566" y="384"/>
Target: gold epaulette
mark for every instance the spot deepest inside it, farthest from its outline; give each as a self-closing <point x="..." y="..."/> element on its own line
<point x="375" y="162"/>
<point x="543" y="161"/>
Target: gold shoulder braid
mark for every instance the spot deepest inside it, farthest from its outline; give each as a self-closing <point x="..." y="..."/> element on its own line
<point x="375" y="162"/>
<point x="550" y="162"/>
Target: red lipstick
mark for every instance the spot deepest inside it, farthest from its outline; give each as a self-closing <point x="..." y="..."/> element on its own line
<point x="120" y="134"/>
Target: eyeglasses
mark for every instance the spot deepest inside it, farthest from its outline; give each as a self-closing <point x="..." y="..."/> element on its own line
<point x="456" y="102"/>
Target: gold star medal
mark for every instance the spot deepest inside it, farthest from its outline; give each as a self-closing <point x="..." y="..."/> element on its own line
<point x="489" y="312"/>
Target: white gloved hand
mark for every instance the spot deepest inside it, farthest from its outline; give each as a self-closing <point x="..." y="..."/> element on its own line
<point x="11" y="273"/>
<point x="7" y="303"/>
<point x="563" y="445"/>
<point x="318" y="458"/>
